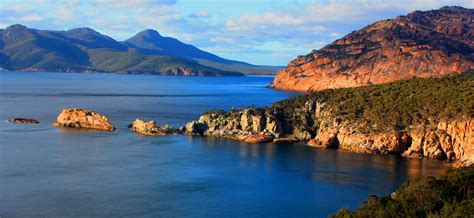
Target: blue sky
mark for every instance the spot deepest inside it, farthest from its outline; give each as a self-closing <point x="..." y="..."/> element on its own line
<point x="266" y="32"/>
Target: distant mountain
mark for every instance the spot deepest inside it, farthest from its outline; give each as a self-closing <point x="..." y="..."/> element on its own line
<point x="151" y="42"/>
<point x="422" y="44"/>
<point x="84" y="50"/>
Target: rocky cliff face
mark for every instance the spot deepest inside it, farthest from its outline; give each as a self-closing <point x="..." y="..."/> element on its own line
<point x="449" y="140"/>
<point x="248" y="125"/>
<point x="422" y="44"/>
<point x="430" y="118"/>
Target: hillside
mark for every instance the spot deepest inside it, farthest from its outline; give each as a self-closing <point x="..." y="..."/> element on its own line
<point x="450" y="195"/>
<point x="84" y="50"/>
<point x="422" y="44"/>
<point x="151" y="42"/>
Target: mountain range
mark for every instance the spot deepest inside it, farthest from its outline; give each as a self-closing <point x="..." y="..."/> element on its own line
<point x="421" y="44"/>
<point x="86" y="50"/>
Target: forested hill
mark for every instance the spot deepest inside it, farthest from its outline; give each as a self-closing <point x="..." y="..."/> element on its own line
<point x="84" y="49"/>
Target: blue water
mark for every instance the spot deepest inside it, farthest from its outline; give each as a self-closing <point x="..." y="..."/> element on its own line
<point x="56" y="172"/>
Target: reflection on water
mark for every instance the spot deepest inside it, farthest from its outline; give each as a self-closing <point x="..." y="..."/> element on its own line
<point x="49" y="172"/>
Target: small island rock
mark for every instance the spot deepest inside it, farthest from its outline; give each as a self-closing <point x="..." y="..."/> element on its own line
<point x="23" y="120"/>
<point x="81" y="118"/>
<point x="151" y="129"/>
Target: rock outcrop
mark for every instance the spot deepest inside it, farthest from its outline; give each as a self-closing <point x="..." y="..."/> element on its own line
<point x="431" y="118"/>
<point x="81" y="118"/>
<point x="422" y="44"/>
<point x="151" y="129"/>
<point x="247" y="125"/>
<point x="449" y="140"/>
<point x="23" y="120"/>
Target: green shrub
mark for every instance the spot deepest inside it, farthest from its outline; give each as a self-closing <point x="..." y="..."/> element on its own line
<point x="396" y="105"/>
<point x="450" y="195"/>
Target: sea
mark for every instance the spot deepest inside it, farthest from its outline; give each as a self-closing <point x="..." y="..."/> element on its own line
<point x="47" y="171"/>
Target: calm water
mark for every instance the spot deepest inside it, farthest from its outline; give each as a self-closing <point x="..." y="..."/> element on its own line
<point x="48" y="171"/>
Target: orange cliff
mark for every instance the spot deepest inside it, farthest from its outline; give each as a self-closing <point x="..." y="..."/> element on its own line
<point x="422" y="44"/>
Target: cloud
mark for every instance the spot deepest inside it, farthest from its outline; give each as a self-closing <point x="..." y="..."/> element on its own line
<point x="318" y="23"/>
<point x="200" y="15"/>
<point x="269" y="33"/>
<point x="32" y="18"/>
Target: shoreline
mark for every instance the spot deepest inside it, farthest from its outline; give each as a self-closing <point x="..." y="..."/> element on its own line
<point x="126" y="73"/>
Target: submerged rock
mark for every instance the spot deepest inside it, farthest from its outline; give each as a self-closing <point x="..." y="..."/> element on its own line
<point x="151" y="129"/>
<point x="81" y="118"/>
<point x="23" y="120"/>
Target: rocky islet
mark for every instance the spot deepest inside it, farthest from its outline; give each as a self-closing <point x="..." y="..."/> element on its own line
<point x="81" y="118"/>
<point x="23" y="120"/>
<point x="150" y="128"/>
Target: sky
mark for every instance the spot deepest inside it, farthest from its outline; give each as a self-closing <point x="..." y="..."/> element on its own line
<point x="264" y="32"/>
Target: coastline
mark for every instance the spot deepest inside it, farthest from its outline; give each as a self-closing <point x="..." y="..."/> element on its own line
<point x="317" y="119"/>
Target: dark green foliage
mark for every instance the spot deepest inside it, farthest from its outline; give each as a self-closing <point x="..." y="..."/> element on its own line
<point x="84" y="49"/>
<point x="151" y="42"/>
<point x="397" y="105"/>
<point x="450" y="195"/>
<point x="113" y="61"/>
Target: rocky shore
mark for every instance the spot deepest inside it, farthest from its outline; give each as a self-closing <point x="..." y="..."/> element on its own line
<point x="368" y="119"/>
<point x="333" y="119"/>
<point x="449" y="140"/>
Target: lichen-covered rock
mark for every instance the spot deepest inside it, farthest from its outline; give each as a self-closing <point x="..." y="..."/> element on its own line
<point x="81" y="118"/>
<point x="23" y="120"/>
<point x="151" y="129"/>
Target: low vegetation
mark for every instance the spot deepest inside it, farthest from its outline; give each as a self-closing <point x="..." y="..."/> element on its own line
<point x="450" y="195"/>
<point x="396" y="105"/>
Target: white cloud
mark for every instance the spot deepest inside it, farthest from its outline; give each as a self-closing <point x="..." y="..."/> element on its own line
<point x="274" y="34"/>
<point x="32" y="18"/>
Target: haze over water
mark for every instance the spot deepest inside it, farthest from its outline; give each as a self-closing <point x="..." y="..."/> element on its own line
<point x="49" y="171"/>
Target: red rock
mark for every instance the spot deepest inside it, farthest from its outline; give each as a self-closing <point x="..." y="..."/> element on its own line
<point x="326" y="138"/>
<point x="80" y="118"/>
<point x="422" y="44"/>
<point x="453" y="140"/>
<point x="255" y="138"/>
